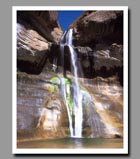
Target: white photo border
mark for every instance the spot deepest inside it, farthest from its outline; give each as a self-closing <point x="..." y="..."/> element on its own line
<point x="123" y="150"/>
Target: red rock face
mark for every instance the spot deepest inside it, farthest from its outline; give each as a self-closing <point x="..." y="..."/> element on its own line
<point x="98" y="26"/>
<point x="98" y="41"/>
<point x="41" y="113"/>
<point x="36" y="30"/>
<point x="104" y="117"/>
<point x="45" y="23"/>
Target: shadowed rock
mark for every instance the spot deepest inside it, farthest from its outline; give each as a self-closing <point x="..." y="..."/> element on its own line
<point x="98" y="26"/>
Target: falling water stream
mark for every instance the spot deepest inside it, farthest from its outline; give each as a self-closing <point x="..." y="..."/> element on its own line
<point x="63" y="93"/>
<point x="76" y="96"/>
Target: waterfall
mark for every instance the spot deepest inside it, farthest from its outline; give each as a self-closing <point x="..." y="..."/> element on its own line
<point x="63" y="87"/>
<point x="63" y="93"/>
<point x="76" y="96"/>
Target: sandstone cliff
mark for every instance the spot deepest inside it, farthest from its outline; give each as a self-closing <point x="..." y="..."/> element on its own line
<point x="36" y="31"/>
<point x="98" y="42"/>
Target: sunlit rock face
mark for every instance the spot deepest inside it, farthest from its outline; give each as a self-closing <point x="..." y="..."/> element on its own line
<point x="36" y="31"/>
<point x="41" y="112"/>
<point x="32" y="50"/>
<point x="103" y="108"/>
<point x="51" y="113"/>
<point x="44" y="22"/>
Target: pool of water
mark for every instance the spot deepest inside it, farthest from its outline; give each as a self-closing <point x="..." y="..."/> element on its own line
<point x="72" y="143"/>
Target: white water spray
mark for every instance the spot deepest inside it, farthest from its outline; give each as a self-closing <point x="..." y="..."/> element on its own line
<point x="63" y="93"/>
<point x="75" y="131"/>
<point x="63" y="87"/>
<point x="77" y="96"/>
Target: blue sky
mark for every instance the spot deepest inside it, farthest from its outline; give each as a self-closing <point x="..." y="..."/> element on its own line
<point x="67" y="17"/>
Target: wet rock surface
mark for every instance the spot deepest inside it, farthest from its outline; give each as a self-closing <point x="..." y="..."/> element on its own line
<point x="41" y="112"/>
<point x="103" y="108"/>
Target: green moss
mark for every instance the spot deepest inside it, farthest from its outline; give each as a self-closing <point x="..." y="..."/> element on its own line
<point x="55" y="84"/>
<point x="67" y="131"/>
<point x="55" y="80"/>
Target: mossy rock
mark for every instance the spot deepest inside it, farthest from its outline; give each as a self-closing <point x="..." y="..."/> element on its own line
<point x="67" y="131"/>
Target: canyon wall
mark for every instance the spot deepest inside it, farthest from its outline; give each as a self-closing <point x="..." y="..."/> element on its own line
<point x="36" y="32"/>
<point x="98" y="42"/>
